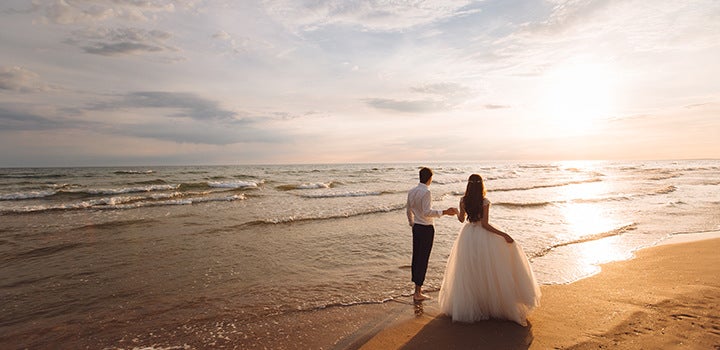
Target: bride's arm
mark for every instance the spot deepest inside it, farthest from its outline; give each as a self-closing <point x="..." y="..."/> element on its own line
<point x="486" y="224"/>
<point x="461" y="212"/>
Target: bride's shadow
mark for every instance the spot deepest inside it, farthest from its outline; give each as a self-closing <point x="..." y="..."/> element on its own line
<point x="443" y="333"/>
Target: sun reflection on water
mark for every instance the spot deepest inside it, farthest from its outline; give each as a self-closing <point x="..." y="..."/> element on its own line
<point x="582" y="219"/>
<point x="604" y="250"/>
<point x="589" y="223"/>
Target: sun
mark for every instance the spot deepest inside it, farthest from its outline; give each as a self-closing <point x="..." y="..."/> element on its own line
<point x="577" y="96"/>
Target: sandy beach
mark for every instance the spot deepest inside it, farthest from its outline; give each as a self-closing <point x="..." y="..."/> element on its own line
<point x="665" y="298"/>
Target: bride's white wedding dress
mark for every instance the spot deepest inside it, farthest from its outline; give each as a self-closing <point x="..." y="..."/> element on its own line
<point x="486" y="277"/>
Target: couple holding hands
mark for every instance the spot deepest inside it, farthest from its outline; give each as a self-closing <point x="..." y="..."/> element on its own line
<point x="487" y="274"/>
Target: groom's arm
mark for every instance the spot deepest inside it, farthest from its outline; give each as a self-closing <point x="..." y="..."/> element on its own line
<point x="408" y="211"/>
<point x="427" y="210"/>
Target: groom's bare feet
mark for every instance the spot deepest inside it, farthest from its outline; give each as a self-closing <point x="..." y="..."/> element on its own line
<point x="421" y="297"/>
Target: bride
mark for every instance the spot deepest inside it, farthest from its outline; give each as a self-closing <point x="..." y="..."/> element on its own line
<point x="487" y="273"/>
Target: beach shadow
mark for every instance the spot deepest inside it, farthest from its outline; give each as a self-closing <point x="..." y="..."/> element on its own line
<point x="442" y="333"/>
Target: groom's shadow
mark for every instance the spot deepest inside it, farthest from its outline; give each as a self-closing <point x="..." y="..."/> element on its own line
<point x="443" y="333"/>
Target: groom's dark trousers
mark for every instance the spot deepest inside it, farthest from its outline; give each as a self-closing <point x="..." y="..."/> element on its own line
<point x="423" y="236"/>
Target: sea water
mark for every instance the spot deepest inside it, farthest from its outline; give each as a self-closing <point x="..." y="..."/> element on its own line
<point x="136" y="248"/>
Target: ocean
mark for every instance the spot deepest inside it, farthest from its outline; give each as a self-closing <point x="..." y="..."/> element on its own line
<point x="115" y="253"/>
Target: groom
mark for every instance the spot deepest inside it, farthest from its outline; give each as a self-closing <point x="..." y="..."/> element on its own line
<point x="421" y="217"/>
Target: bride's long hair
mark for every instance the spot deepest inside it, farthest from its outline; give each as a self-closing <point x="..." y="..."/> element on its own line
<point x="474" y="198"/>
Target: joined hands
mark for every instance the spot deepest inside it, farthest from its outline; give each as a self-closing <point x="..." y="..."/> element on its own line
<point x="450" y="211"/>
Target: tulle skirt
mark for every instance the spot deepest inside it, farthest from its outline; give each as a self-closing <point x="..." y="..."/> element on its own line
<point x="486" y="277"/>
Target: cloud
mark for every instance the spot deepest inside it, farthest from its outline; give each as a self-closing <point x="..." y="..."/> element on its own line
<point x="122" y="41"/>
<point x="15" y="11"/>
<point x="231" y="44"/>
<point x="566" y="15"/>
<point x="111" y="49"/>
<point x="222" y="35"/>
<point x="242" y="44"/>
<point x="664" y="25"/>
<point x="196" y="132"/>
<point x="408" y="106"/>
<point x="19" y="120"/>
<point x="698" y="105"/>
<point x="378" y="15"/>
<point x="79" y="12"/>
<point x="443" y="96"/>
<point x="19" y="79"/>
<point x="187" y="118"/>
<point x="443" y="89"/>
<point x="166" y="116"/>
<point x="99" y="20"/>
<point x="285" y="116"/>
<point x="494" y="106"/>
<point x="63" y="13"/>
<point x="185" y="104"/>
<point x="623" y="33"/>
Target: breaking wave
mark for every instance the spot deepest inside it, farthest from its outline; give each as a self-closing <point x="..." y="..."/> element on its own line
<point x="594" y="237"/>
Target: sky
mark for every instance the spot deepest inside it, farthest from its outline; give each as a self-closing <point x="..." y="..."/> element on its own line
<point x="153" y="82"/>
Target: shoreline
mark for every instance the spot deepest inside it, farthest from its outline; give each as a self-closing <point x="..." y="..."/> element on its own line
<point x="665" y="296"/>
<point x="688" y="237"/>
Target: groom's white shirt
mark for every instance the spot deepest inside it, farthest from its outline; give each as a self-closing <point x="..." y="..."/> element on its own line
<point x="418" y="207"/>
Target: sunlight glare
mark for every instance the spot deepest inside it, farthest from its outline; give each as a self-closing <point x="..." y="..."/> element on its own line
<point x="587" y="220"/>
<point x="584" y="218"/>
<point x="577" y="96"/>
